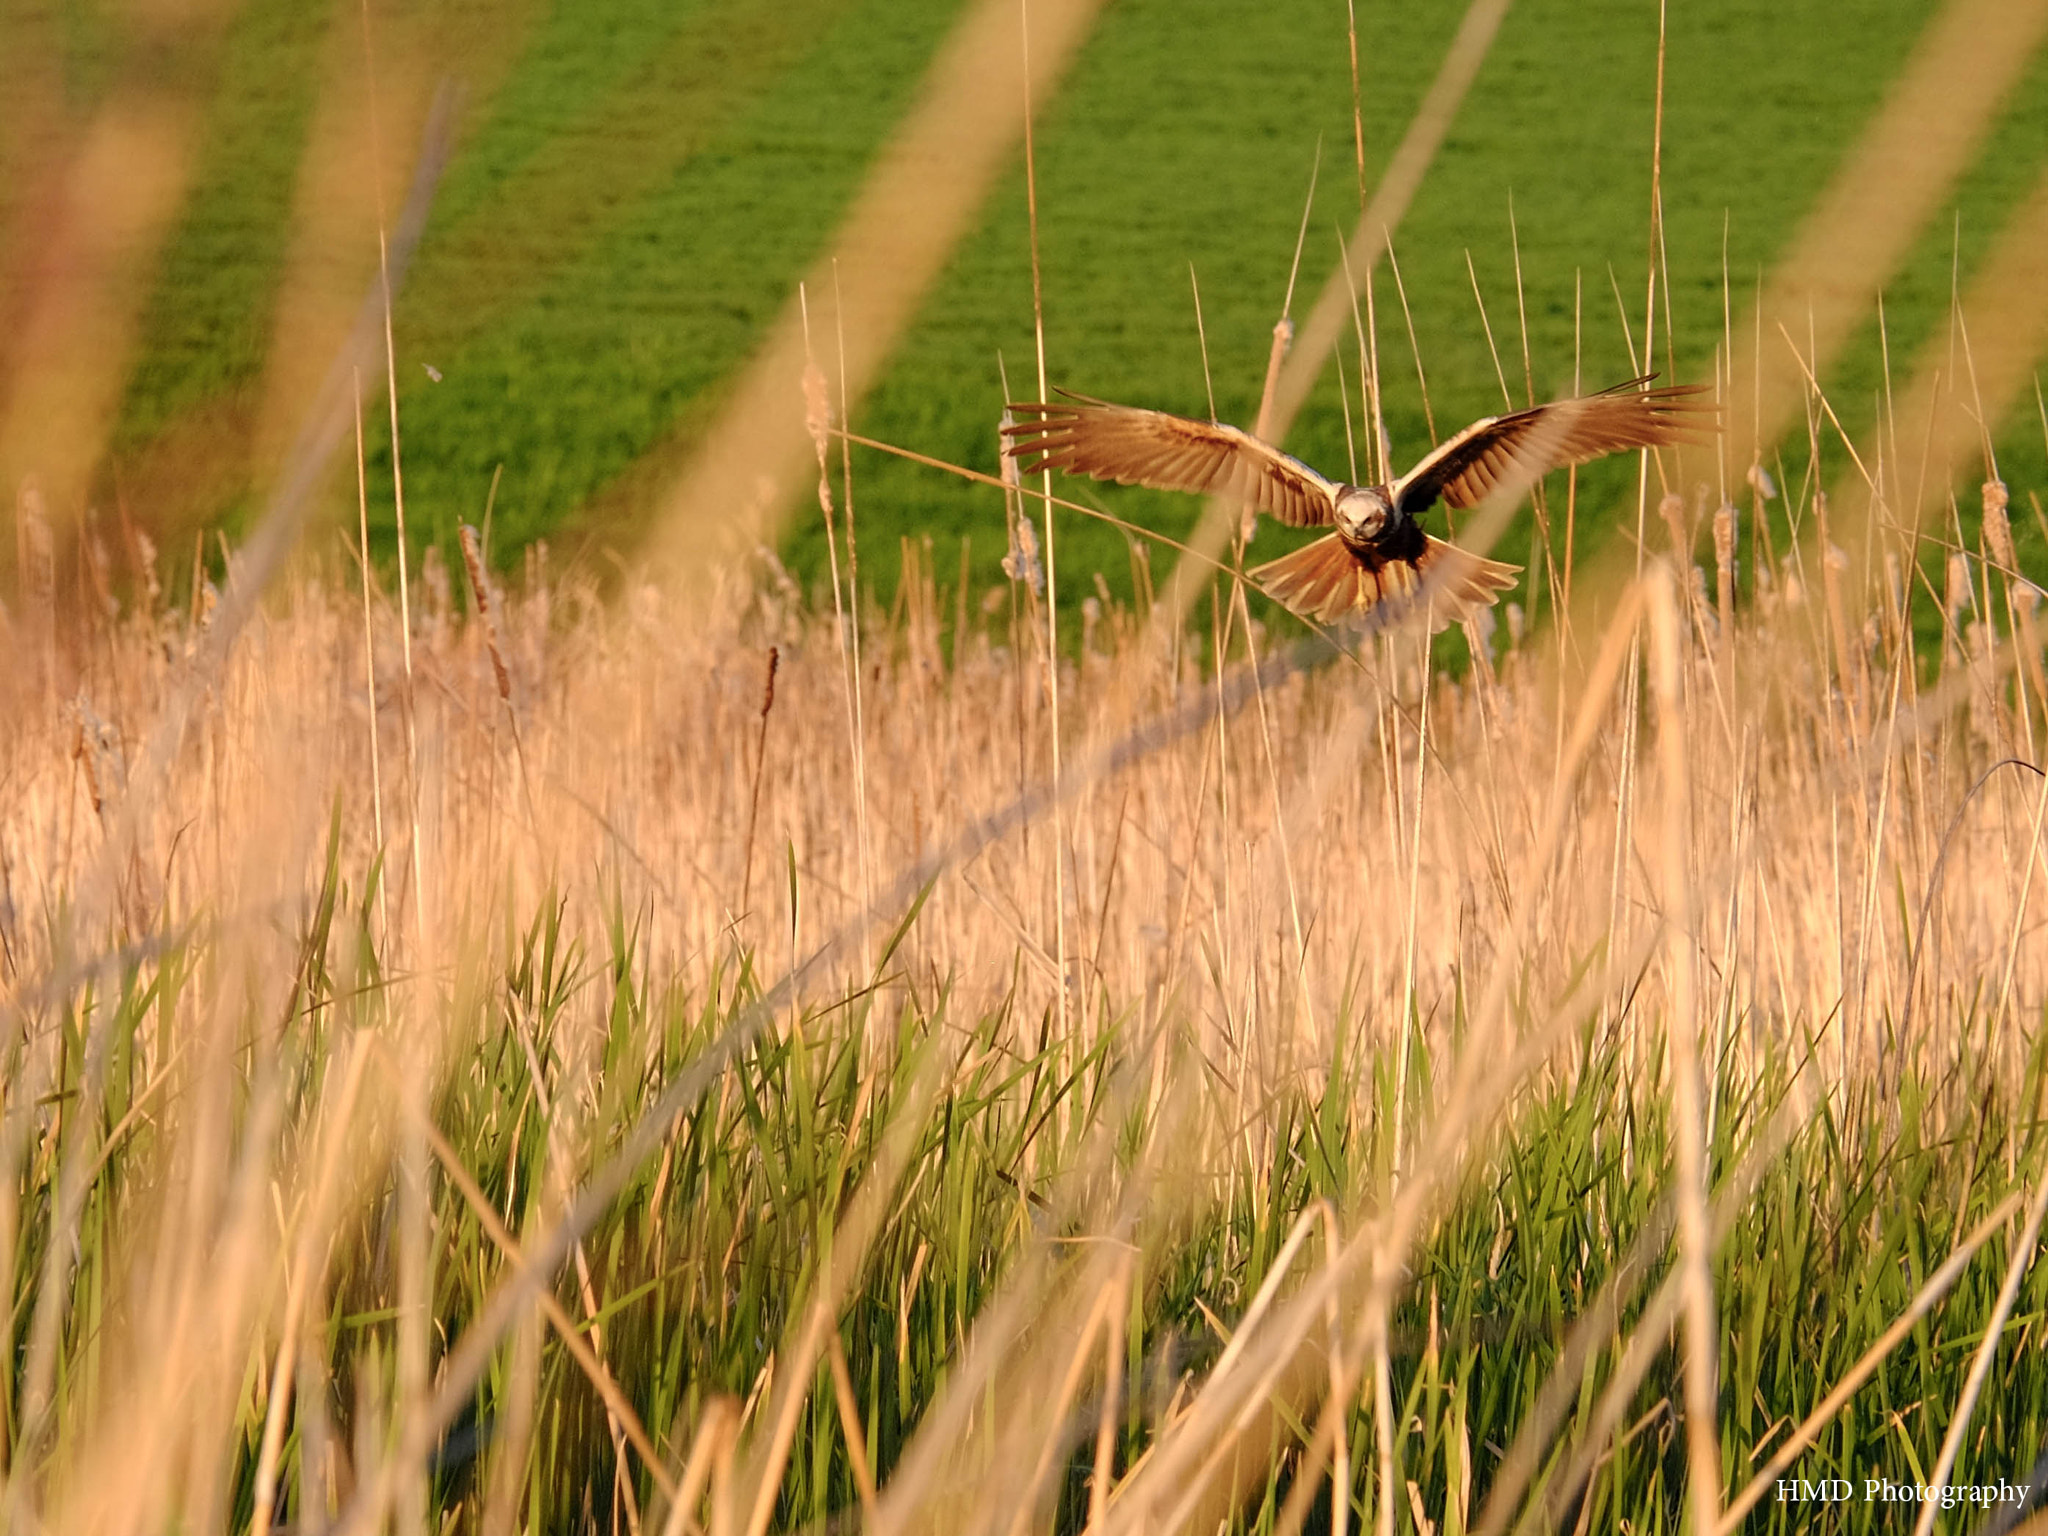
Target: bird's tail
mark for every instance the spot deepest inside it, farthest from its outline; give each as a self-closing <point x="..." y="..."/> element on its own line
<point x="1326" y="581"/>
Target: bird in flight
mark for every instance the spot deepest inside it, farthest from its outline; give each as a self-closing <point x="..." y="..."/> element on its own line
<point x="1378" y="552"/>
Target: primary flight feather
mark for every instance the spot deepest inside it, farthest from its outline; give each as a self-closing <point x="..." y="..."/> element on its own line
<point x="1378" y="551"/>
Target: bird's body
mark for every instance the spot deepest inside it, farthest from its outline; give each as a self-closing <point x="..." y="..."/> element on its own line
<point x="1377" y="552"/>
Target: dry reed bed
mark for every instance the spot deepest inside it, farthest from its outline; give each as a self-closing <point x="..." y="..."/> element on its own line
<point x="1497" y="849"/>
<point x="1263" y="883"/>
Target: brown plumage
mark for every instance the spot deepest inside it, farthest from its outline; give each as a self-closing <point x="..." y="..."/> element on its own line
<point x="1329" y="581"/>
<point x="1378" y="552"/>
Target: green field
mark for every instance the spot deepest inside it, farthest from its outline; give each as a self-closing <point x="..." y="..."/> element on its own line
<point x="637" y="188"/>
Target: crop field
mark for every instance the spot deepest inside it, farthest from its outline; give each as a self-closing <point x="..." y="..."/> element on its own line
<point x="636" y="188"/>
<point x="875" y="999"/>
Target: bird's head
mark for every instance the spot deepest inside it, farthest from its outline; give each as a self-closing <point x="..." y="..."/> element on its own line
<point x="1363" y="512"/>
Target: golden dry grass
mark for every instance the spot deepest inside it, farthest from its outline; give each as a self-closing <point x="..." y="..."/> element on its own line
<point x="1271" y="870"/>
<point x="1800" y="846"/>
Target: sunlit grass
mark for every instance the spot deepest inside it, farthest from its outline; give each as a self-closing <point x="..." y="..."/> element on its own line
<point x="208" y="1134"/>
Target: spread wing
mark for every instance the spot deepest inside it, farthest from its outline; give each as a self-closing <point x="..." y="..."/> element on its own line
<point x="1525" y="445"/>
<point x="1168" y="453"/>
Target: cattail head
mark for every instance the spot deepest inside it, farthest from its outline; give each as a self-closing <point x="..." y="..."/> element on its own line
<point x="473" y="564"/>
<point x="1021" y="563"/>
<point x="1672" y="509"/>
<point x="817" y="409"/>
<point x="1727" y="526"/>
<point x="1005" y="460"/>
<point x="486" y="607"/>
<point x="1998" y="526"/>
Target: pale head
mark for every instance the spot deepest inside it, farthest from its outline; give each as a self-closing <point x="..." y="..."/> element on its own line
<point x="1363" y="512"/>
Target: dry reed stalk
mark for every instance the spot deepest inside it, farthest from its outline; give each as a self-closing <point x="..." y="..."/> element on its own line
<point x="407" y="702"/>
<point x="1725" y="537"/>
<point x="849" y="1423"/>
<point x="1410" y="1017"/>
<point x="853" y="603"/>
<point x="1303" y="990"/>
<point x="724" y="1448"/>
<point x="845" y="610"/>
<point x="486" y="609"/>
<point x="1849" y="660"/>
<point x="1695" y="1245"/>
<point x="489" y="606"/>
<point x="369" y="644"/>
<point x="1539" y="499"/>
<point x="707" y="1450"/>
<point x="1052" y="598"/>
<point x="754" y="799"/>
<point x="1201" y="337"/>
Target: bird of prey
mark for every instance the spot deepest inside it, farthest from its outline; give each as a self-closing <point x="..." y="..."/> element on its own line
<point x="1378" y="551"/>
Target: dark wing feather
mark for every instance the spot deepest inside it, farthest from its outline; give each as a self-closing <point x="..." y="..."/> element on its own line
<point x="1525" y="445"/>
<point x="1168" y="453"/>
